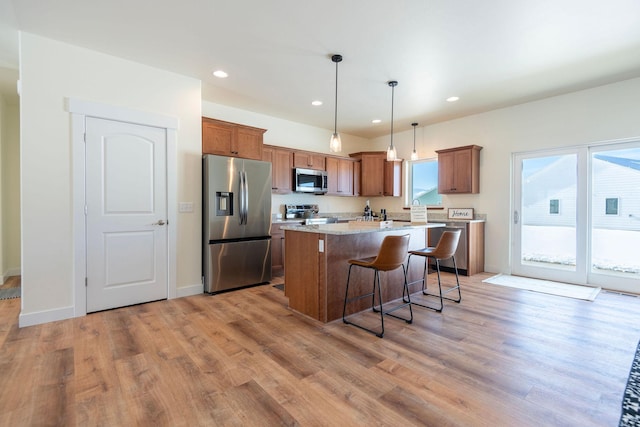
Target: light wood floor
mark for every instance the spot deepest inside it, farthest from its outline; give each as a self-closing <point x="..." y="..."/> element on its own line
<point x="11" y="282"/>
<point x="503" y="357"/>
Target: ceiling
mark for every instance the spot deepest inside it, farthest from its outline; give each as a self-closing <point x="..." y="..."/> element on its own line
<point x="491" y="53"/>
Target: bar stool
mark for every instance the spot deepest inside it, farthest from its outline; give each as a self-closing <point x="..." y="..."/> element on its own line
<point x="445" y="249"/>
<point x="391" y="256"/>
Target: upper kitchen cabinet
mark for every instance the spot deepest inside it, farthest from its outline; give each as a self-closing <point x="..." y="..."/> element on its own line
<point x="356" y="178"/>
<point x="377" y="176"/>
<point x="393" y="178"/>
<point x="459" y="170"/>
<point x="281" y="168"/>
<point x="308" y="160"/>
<point x="339" y="176"/>
<point x="231" y="139"/>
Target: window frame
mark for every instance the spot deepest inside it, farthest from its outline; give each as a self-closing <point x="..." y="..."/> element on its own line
<point x="408" y="193"/>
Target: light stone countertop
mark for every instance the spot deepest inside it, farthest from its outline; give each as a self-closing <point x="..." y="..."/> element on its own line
<point x="356" y="228"/>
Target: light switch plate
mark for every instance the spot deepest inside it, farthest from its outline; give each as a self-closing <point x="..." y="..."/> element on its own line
<point x="185" y="207"/>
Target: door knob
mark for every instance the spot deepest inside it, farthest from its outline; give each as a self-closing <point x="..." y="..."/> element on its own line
<point x="160" y="222"/>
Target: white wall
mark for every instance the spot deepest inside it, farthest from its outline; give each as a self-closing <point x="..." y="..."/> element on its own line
<point x="290" y="134"/>
<point x="51" y="71"/>
<point x="10" y="190"/>
<point x="601" y="114"/>
<point x="2" y="138"/>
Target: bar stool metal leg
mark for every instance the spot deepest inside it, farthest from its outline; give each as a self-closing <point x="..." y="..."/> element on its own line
<point x="391" y="256"/>
<point x="437" y="309"/>
<point x="445" y="249"/>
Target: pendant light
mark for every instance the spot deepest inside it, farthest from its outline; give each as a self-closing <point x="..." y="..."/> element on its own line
<point x="391" y="151"/>
<point x="335" y="144"/>
<point x="414" y="154"/>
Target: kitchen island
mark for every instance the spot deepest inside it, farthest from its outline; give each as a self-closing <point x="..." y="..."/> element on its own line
<point x="316" y="265"/>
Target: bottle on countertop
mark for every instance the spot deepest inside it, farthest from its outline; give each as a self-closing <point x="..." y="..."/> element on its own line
<point x="367" y="211"/>
<point x="383" y="214"/>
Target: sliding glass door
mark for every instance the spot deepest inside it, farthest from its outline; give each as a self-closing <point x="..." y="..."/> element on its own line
<point x="576" y="215"/>
<point x="615" y="216"/>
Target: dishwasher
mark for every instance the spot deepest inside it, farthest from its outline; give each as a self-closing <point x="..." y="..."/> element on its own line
<point x="462" y="251"/>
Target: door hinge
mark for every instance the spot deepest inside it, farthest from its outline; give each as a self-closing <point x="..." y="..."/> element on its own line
<point x="86" y="282"/>
<point x="516" y="217"/>
<point x="86" y="210"/>
<point x="84" y="136"/>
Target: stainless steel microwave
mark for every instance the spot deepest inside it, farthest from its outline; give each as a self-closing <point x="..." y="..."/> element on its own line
<point x="309" y="181"/>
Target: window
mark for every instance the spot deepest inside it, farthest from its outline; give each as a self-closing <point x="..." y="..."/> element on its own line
<point x="554" y="206"/>
<point x="422" y="183"/>
<point x="611" y="206"/>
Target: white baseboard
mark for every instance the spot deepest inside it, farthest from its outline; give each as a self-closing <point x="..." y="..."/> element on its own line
<point x="46" y="316"/>
<point x="40" y="317"/>
<point x="189" y="290"/>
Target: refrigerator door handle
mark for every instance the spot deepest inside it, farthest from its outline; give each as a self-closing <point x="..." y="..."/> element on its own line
<point x="246" y="197"/>
<point x="241" y="198"/>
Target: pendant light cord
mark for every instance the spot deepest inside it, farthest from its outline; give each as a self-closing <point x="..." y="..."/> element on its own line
<point x="414" y="135"/>
<point x="335" y="119"/>
<point x="393" y="87"/>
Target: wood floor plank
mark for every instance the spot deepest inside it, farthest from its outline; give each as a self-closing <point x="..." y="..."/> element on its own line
<point x="502" y="357"/>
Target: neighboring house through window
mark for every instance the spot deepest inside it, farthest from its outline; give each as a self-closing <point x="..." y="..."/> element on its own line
<point x="422" y="183"/>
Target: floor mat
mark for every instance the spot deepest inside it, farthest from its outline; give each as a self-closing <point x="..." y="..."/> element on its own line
<point x="9" y="293"/>
<point x="545" y="286"/>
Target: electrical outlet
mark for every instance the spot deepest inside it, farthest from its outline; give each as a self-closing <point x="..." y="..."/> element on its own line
<point x="185" y="207"/>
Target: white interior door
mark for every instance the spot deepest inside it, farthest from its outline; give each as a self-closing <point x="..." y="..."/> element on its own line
<point x="126" y="214"/>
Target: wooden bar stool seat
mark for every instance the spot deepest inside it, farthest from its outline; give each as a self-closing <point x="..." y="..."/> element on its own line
<point x="391" y="256"/>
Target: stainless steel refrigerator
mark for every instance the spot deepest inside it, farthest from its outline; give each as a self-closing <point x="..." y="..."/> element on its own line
<point x="236" y="222"/>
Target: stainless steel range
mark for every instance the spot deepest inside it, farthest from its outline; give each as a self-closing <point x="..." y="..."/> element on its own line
<point x="308" y="213"/>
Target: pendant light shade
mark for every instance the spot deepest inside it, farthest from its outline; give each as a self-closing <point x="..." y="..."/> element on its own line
<point x="335" y="144"/>
<point x="414" y="153"/>
<point x="391" y="151"/>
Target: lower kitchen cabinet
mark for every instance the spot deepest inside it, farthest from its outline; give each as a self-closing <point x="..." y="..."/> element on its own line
<point x="470" y="253"/>
<point x="475" y="248"/>
<point x="277" y="251"/>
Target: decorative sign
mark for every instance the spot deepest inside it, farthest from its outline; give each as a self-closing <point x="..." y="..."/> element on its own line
<point x="419" y="214"/>
<point x="460" y="213"/>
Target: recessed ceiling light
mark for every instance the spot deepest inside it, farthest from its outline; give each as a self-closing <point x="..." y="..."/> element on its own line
<point x="376" y="121"/>
<point x="220" y="74"/>
<point x="452" y="99"/>
<point x="316" y="103"/>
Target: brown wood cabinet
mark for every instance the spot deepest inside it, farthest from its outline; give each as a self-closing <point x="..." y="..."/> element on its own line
<point x="231" y="139"/>
<point x="377" y="177"/>
<point x="315" y="281"/>
<point x="309" y="160"/>
<point x="339" y="176"/>
<point x="475" y="248"/>
<point x="459" y="170"/>
<point x="281" y="168"/>
<point x="356" y="178"/>
<point x="393" y="178"/>
<point x="277" y="251"/>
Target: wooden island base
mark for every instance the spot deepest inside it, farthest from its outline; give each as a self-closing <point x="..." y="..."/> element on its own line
<point x="316" y="268"/>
